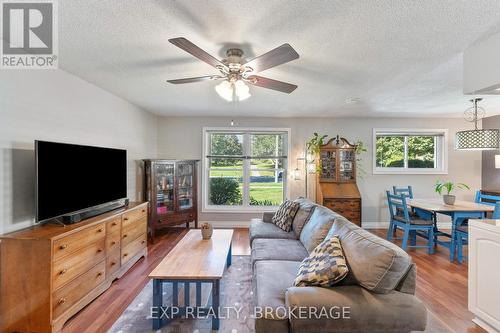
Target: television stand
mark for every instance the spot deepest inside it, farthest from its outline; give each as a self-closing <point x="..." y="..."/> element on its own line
<point x="50" y="273"/>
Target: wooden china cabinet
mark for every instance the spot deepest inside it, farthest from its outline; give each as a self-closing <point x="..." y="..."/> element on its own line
<point x="171" y="189"/>
<point x="336" y="182"/>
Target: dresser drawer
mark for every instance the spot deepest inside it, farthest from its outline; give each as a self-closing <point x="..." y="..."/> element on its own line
<point x="132" y="230"/>
<point x="78" y="240"/>
<point x="113" y="241"/>
<point x="76" y="264"/>
<point x="134" y="215"/>
<point x="114" y="225"/>
<point x="112" y="262"/>
<point x="73" y="292"/>
<point x="343" y="204"/>
<point x="129" y="251"/>
<point x="350" y="215"/>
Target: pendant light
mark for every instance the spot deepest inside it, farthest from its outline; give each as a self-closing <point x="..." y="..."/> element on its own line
<point x="476" y="139"/>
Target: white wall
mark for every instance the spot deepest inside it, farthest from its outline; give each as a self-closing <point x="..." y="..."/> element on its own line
<point x="181" y="137"/>
<point x="54" y="105"/>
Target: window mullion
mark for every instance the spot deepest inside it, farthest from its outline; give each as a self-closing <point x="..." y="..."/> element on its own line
<point x="246" y="170"/>
<point x="406" y="153"/>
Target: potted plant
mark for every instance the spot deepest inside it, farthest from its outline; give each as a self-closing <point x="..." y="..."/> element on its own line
<point x="313" y="148"/>
<point x="449" y="187"/>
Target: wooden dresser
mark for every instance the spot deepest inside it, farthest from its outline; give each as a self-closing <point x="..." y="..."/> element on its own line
<point x="336" y="187"/>
<point x="50" y="272"/>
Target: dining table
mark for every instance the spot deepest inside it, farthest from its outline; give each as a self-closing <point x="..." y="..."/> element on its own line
<point x="458" y="212"/>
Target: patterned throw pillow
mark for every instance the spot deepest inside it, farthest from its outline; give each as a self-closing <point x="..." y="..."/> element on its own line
<point x="325" y="266"/>
<point x="285" y="214"/>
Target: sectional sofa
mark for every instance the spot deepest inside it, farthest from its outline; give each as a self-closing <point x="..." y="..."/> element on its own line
<point x="377" y="295"/>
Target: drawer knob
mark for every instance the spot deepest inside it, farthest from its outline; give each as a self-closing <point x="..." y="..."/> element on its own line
<point x="63" y="271"/>
<point x="99" y="250"/>
<point x="63" y="246"/>
<point x="143" y="210"/>
<point x="125" y="254"/>
<point x="62" y="301"/>
<point x="125" y="236"/>
<point x="125" y="218"/>
<point x="114" y="223"/>
<point x="143" y="242"/>
<point x="113" y="263"/>
<point x="99" y="274"/>
<point x="113" y="243"/>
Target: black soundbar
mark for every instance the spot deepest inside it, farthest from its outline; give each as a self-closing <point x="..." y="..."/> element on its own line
<point x="88" y="213"/>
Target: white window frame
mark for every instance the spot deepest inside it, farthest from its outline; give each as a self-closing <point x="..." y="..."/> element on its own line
<point x="440" y="152"/>
<point x="245" y="208"/>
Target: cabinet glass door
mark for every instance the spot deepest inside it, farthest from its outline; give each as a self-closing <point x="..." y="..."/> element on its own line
<point x="328" y="170"/>
<point x="347" y="165"/>
<point x="164" y="188"/>
<point x="185" y="186"/>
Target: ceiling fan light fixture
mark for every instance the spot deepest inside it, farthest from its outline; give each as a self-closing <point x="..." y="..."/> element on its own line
<point x="242" y="91"/>
<point x="233" y="91"/>
<point x="225" y="90"/>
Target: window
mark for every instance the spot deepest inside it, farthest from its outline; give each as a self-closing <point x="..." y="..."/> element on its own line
<point x="413" y="151"/>
<point x="244" y="169"/>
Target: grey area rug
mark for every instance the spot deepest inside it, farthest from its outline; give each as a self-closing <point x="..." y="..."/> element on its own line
<point x="236" y="291"/>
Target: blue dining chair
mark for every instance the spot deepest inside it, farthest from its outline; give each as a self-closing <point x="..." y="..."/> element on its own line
<point x="408" y="223"/>
<point x="462" y="231"/>
<point x="486" y="199"/>
<point x="408" y="192"/>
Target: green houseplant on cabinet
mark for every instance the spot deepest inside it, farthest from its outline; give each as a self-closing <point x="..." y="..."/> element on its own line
<point x="448" y="198"/>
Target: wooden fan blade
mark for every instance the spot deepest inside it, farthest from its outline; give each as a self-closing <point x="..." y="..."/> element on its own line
<point x="194" y="50"/>
<point x="195" y="79"/>
<point x="275" y="57"/>
<point x="264" y="82"/>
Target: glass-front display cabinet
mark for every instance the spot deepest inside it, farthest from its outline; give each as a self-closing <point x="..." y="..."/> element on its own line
<point x="170" y="188"/>
<point x="336" y="188"/>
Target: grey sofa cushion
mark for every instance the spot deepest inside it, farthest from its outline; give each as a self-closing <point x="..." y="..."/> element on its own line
<point x="368" y="312"/>
<point x="270" y="280"/>
<point x="260" y="229"/>
<point x="277" y="249"/>
<point x="315" y="231"/>
<point x="374" y="263"/>
<point x="306" y="208"/>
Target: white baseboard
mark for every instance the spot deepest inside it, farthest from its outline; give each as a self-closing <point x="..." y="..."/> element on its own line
<point x="385" y="225"/>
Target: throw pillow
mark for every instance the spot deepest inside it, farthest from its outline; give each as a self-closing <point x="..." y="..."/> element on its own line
<point x="315" y="231"/>
<point x="325" y="266"/>
<point x="285" y="214"/>
<point x="306" y="208"/>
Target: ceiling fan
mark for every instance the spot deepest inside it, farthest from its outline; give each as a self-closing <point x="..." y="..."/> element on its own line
<point x="235" y="71"/>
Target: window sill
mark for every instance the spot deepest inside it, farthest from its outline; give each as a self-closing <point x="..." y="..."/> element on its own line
<point x="410" y="172"/>
<point x="240" y="210"/>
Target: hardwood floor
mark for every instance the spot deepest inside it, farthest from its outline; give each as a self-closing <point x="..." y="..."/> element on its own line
<point x="441" y="285"/>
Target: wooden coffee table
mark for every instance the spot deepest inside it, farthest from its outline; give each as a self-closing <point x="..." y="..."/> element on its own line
<point x="192" y="261"/>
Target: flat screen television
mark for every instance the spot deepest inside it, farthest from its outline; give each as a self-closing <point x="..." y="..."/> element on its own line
<point x="75" y="181"/>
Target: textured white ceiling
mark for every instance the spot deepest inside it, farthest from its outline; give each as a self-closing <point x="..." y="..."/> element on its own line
<point x="400" y="58"/>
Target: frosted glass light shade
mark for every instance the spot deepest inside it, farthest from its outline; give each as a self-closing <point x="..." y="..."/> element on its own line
<point x="225" y="90"/>
<point x="242" y="90"/>
<point x="296" y="174"/>
<point x="237" y="91"/>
